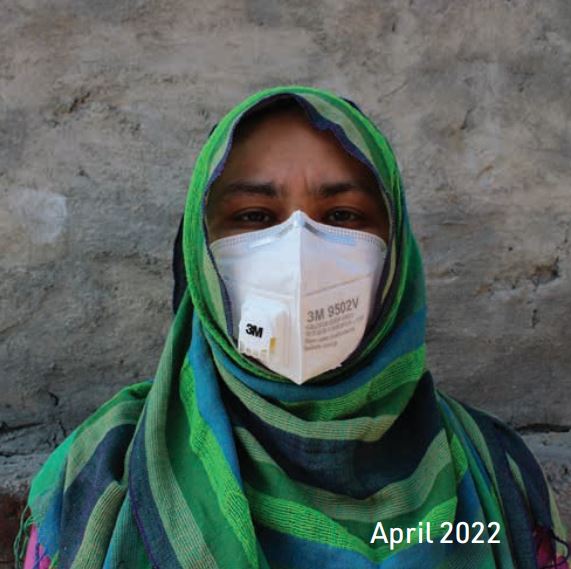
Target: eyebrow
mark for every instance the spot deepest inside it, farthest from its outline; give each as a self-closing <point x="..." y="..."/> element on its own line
<point x="335" y="188"/>
<point x="269" y="189"/>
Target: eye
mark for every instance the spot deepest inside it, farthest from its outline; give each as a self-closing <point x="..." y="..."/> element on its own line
<point x="342" y="216"/>
<point x="255" y="217"/>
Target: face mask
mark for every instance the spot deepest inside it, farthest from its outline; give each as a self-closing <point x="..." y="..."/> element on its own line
<point x="301" y="292"/>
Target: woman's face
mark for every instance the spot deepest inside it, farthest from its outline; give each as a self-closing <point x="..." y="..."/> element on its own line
<point x="283" y="164"/>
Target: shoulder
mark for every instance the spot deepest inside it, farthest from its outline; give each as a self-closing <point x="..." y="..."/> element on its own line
<point x="93" y="456"/>
<point x="521" y="485"/>
<point x="120" y="413"/>
<point x="498" y="444"/>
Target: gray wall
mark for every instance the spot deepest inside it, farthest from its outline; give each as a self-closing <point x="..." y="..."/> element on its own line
<point x="105" y="103"/>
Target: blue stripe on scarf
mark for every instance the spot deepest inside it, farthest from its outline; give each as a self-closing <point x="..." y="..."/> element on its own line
<point x="210" y="405"/>
<point x="331" y="464"/>
<point x="147" y="517"/>
<point x="49" y="529"/>
<point x="103" y="467"/>
<point x="535" y="484"/>
<point x="467" y="444"/>
<point x="407" y="337"/>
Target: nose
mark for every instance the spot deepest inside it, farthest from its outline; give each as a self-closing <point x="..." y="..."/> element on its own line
<point x="298" y="196"/>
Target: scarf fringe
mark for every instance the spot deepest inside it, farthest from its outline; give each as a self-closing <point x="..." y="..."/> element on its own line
<point x="23" y="537"/>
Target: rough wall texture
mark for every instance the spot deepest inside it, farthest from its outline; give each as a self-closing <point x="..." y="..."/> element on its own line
<point x="104" y="104"/>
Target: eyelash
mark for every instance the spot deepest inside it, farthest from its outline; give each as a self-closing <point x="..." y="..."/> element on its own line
<point x="241" y="216"/>
<point x="354" y="215"/>
<point x="269" y="218"/>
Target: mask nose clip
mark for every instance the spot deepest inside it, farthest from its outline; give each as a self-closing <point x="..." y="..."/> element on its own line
<point x="298" y="218"/>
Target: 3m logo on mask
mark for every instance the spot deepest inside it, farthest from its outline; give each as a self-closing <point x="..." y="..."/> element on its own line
<point x="254" y="330"/>
<point x="261" y="328"/>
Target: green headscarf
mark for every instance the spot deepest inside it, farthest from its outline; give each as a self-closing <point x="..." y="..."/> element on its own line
<point x="221" y="463"/>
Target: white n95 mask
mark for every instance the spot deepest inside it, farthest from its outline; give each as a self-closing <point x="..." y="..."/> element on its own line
<point x="301" y="292"/>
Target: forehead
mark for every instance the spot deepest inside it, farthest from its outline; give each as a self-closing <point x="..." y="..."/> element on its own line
<point x="284" y="157"/>
<point x="264" y="111"/>
<point x="281" y="159"/>
<point x="285" y="139"/>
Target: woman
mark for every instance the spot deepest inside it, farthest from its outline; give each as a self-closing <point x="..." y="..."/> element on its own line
<point x="292" y="420"/>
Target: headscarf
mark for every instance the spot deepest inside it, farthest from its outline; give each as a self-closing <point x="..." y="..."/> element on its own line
<point x="221" y="463"/>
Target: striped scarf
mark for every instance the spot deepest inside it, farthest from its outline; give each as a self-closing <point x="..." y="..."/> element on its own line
<point x="220" y="463"/>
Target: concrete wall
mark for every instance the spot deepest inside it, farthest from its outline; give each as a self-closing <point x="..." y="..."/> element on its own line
<point x="104" y="104"/>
